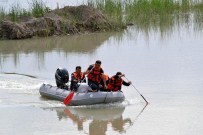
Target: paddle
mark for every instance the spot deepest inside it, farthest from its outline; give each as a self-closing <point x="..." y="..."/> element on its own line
<point x="67" y="100"/>
<point x="138" y="92"/>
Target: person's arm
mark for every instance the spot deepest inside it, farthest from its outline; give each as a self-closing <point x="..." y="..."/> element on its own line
<point x="83" y="79"/>
<point x="73" y="78"/>
<point x="88" y="69"/>
<point x="126" y="83"/>
<point x="103" y="78"/>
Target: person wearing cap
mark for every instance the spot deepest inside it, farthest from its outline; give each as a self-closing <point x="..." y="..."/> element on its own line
<point x="76" y="77"/>
<point x="95" y="75"/>
<point x="116" y="82"/>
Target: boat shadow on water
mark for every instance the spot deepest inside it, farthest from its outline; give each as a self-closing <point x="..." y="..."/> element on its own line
<point x="99" y="118"/>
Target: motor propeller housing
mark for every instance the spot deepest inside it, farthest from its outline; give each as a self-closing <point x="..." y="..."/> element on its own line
<point x="62" y="77"/>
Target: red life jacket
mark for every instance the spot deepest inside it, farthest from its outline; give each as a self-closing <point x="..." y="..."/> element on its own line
<point x="114" y="84"/>
<point x="78" y="76"/>
<point x="95" y="75"/>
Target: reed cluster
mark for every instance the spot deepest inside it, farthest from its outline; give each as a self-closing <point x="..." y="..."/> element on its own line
<point x="135" y="8"/>
<point x="156" y="8"/>
<point x="2" y="13"/>
<point x="37" y="9"/>
<point x="112" y="8"/>
<point x="148" y="14"/>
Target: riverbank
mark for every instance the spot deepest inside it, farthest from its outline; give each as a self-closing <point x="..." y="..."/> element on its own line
<point x="69" y="20"/>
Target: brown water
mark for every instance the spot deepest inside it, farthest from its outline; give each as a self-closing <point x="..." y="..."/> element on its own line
<point x="166" y="70"/>
<point x="166" y="67"/>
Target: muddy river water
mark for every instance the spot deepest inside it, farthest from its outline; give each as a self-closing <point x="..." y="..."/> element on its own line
<point x="166" y="68"/>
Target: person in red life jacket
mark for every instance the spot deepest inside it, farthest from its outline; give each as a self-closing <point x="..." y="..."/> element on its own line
<point x="102" y="83"/>
<point x="95" y="75"/>
<point x="76" y="77"/>
<point x="116" y="82"/>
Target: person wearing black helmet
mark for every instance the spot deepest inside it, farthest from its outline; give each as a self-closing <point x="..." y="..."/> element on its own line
<point x="95" y="74"/>
<point x="116" y="82"/>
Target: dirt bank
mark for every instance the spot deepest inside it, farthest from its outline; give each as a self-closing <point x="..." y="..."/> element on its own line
<point x="66" y="21"/>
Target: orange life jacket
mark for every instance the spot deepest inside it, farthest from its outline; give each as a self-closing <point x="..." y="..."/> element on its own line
<point x="95" y="75"/>
<point x="114" y="84"/>
<point x="78" y="76"/>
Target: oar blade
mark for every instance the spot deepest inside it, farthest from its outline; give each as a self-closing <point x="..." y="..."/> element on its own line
<point x="68" y="98"/>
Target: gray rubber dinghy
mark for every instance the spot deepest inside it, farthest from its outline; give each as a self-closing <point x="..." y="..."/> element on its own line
<point x="82" y="96"/>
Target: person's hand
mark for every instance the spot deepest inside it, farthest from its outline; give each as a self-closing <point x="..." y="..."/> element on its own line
<point x="121" y="75"/>
<point x="76" y="81"/>
<point x="105" y="87"/>
<point x="130" y="82"/>
<point x="100" y="86"/>
<point x="84" y="73"/>
<point x="92" y="90"/>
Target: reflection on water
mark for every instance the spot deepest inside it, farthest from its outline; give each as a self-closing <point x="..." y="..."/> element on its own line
<point x="15" y="50"/>
<point x="153" y="15"/>
<point x="77" y="43"/>
<point x="98" y="119"/>
<point x="170" y="23"/>
<point x="164" y="64"/>
<point x="197" y="21"/>
<point x="191" y="21"/>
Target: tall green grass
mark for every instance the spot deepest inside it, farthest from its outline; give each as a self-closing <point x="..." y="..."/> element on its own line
<point x="37" y="9"/>
<point x="112" y="8"/>
<point x="135" y="8"/>
<point x="147" y="14"/>
<point x="2" y="13"/>
<point x="15" y="12"/>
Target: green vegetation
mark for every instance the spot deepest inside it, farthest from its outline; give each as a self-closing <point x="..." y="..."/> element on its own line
<point x="2" y="13"/>
<point x="112" y="8"/>
<point x="37" y="9"/>
<point x="153" y="9"/>
<point x="15" y="12"/>
<point x="133" y="9"/>
<point x="147" y="14"/>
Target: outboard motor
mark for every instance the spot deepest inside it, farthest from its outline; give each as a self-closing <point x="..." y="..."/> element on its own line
<point x="62" y="77"/>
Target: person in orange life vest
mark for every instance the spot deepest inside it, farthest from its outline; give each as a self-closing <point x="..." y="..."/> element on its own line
<point x="76" y="77"/>
<point x="102" y="83"/>
<point x="95" y="75"/>
<point x="116" y="82"/>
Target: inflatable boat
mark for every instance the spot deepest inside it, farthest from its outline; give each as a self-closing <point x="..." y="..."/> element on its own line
<point x="82" y="96"/>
